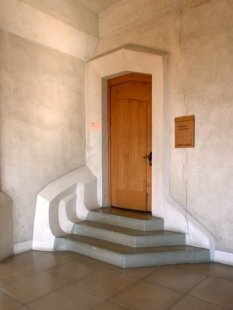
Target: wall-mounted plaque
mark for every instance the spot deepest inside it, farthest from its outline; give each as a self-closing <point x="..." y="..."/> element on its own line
<point x="184" y="131"/>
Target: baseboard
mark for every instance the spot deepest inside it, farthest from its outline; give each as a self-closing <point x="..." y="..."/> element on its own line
<point x="22" y="247"/>
<point x="223" y="257"/>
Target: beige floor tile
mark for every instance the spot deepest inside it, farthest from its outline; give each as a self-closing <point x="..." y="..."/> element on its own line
<point x="230" y="278"/>
<point x="145" y="295"/>
<point x="8" y="303"/>
<point x="76" y="297"/>
<point x="23" y="278"/>
<point x="110" y="305"/>
<point x="70" y="255"/>
<point x="175" y="278"/>
<point x="22" y="268"/>
<point x="74" y="270"/>
<point x="54" y="301"/>
<point x="139" y="272"/>
<point x="213" y="269"/>
<point x="33" y="287"/>
<point x="7" y="275"/>
<point x="108" y="282"/>
<point x="215" y="290"/>
<point x="93" y="262"/>
<point x="26" y="256"/>
<point x="45" y="260"/>
<point x="192" y="303"/>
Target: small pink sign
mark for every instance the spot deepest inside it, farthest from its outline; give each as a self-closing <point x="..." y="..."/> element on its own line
<point x="95" y="125"/>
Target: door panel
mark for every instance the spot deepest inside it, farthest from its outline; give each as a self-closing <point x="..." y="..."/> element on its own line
<point x="130" y="141"/>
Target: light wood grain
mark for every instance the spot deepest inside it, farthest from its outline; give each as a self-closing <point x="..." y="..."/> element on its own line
<point x="130" y="141"/>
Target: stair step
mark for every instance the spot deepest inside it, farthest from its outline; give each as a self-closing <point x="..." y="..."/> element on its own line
<point x="129" y="257"/>
<point x="127" y="219"/>
<point x="128" y="236"/>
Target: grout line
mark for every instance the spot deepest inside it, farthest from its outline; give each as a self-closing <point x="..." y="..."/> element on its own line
<point x="209" y="302"/>
<point x="22" y="303"/>
<point x="46" y="294"/>
<point x="12" y="297"/>
<point x="223" y="277"/>
<point x="123" y="289"/>
<point x="124" y="306"/>
<point x="163" y="286"/>
<point x="189" y="293"/>
<point x="185" y="294"/>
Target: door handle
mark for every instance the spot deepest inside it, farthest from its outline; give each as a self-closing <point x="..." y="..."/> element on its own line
<point x="149" y="158"/>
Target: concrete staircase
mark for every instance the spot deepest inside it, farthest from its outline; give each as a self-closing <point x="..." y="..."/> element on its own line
<point x="129" y="239"/>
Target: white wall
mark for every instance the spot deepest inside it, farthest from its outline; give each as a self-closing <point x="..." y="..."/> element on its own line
<point x="42" y="100"/>
<point x="197" y="35"/>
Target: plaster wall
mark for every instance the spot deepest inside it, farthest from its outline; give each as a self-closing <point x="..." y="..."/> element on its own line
<point x="99" y="5"/>
<point x="41" y="102"/>
<point x="71" y="12"/>
<point x="197" y="35"/>
<point x="40" y="27"/>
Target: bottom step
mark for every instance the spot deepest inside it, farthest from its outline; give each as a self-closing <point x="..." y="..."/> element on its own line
<point x="129" y="257"/>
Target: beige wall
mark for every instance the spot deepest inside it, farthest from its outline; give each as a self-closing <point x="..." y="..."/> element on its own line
<point x="39" y="26"/>
<point x="69" y="11"/>
<point x="42" y="126"/>
<point x="42" y="53"/>
<point x="197" y="35"/>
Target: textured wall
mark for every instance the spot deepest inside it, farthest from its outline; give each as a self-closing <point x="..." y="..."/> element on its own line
<point x="39" y="26"/>
<point x="197" y="35"/>
<point x="69" y="11"/>
<point x="42" y="122"/>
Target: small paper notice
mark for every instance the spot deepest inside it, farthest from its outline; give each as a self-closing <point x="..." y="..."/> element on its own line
<point x="95" y="125"/>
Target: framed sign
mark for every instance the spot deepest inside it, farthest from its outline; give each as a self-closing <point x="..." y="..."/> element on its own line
<point x="184" y="131"/>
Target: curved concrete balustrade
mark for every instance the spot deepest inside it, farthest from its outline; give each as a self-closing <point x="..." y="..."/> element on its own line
<point x="61" y="204"/>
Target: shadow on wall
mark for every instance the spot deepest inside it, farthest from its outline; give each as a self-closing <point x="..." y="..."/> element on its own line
<point x="6" y="227"/>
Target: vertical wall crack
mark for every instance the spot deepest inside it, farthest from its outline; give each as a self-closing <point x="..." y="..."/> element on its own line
<point x="185" y="162"/>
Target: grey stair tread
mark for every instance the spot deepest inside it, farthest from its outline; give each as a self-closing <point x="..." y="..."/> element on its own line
<point x="127" y="231"/>
<point x="129" y="239"/>
<point x="122" y="249"/>
<point x="125" y="213"/>
<point x="134" y="222"/>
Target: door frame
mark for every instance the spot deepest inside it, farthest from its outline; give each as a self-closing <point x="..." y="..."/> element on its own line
<point x="98" y="71"/>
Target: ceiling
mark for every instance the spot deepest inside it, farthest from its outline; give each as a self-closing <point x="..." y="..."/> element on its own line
<point x="98" y="5"/>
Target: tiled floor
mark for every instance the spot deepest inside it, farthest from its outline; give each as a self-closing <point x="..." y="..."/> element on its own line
<point x="66" y="281"/>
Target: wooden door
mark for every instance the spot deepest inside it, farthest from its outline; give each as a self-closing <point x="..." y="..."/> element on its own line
<point x="130" y="141"/>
